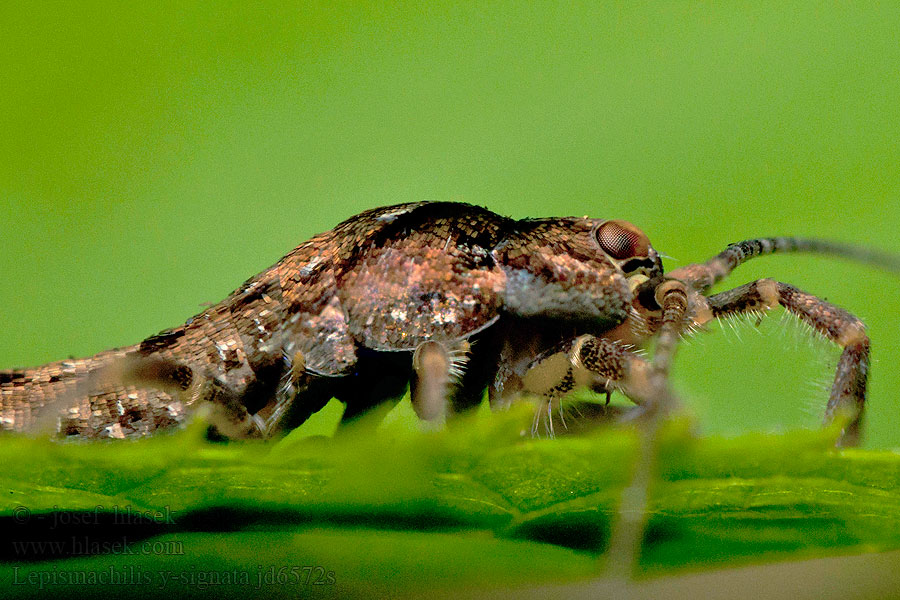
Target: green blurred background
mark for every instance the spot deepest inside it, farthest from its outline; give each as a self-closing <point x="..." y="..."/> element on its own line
<point x="153" y="156"/>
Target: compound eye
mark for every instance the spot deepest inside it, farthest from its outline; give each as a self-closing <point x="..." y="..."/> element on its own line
<point x="621" y="240"/>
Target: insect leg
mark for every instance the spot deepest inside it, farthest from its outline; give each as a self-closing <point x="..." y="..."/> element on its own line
<point x="848" y="393"/>
<point x="285" y="412"/>
<point x="436" y="371"/>
<point x="630" y="526"/>
<point x="586" y="361"/>
<point x="603" y="365"/>
<point x="430" y="381"/>
<point x="228" y="413"/>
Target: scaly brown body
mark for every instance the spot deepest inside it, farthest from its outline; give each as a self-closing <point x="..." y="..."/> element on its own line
<point x="451" y="297"/>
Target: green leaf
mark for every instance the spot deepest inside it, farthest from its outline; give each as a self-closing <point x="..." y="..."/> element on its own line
<point x="387" y="508"/>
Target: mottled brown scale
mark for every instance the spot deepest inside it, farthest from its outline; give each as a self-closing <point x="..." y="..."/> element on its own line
<point x="54" y="397"/>
<point x="450" y="297"/>
<point x="555" y="269"/>
<point x="420" y="274"/>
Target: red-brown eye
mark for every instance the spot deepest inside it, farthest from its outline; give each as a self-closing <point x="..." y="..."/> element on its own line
<point x="621" y="239"/>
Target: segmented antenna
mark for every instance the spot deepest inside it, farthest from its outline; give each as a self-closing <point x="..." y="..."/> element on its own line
<point x="702" y="276"/>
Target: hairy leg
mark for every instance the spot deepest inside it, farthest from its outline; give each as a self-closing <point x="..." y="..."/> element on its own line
<point x="586" y="361"/>
<point x="848" y="394"/>
<point x="450" y="378"/>
<point x="432" y="377"/>
<point x="628" y="531"/>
